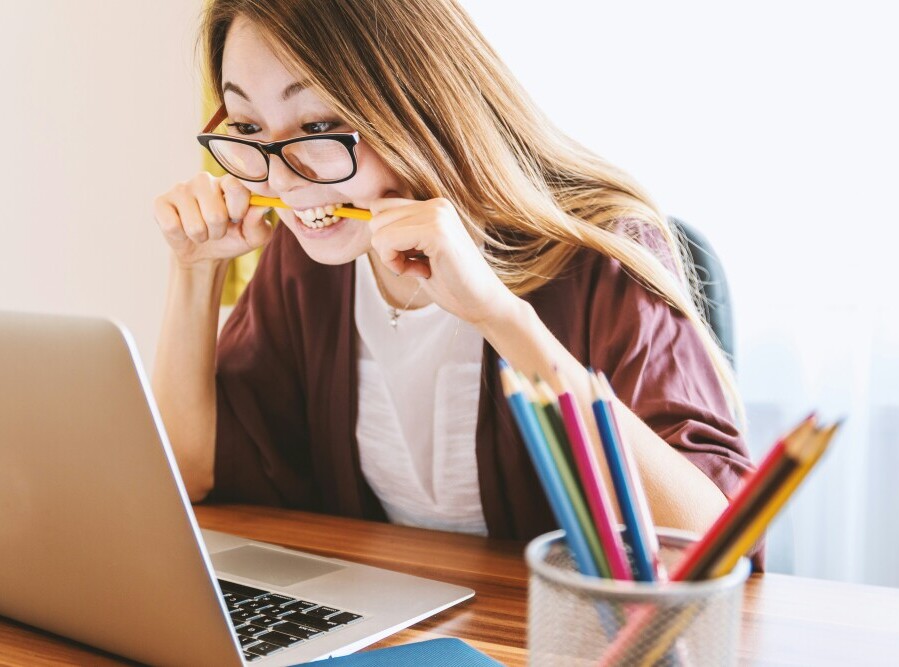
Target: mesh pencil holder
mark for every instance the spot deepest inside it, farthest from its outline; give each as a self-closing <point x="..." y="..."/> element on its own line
<point x="578" y="620"/>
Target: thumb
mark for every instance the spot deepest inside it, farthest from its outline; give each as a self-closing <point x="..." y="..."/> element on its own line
<point x="256" y="229"/>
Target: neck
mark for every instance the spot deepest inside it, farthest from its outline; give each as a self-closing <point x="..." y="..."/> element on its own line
<point x="397" y="290"/>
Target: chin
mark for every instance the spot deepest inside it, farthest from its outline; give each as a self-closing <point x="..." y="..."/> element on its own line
<point x="339" y="243"/>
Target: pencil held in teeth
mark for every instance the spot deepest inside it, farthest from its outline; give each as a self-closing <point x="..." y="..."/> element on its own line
<point x="340" y="211"/>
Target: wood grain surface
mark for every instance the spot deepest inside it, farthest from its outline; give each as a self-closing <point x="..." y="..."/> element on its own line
<point x="786" y="620"/>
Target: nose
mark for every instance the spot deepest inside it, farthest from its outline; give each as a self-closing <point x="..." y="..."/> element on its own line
<point x="281" y="177"/>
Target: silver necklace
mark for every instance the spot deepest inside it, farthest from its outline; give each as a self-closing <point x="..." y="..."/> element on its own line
<point x="393" y="313"/>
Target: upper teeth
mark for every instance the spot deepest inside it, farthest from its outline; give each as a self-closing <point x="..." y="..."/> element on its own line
<point x="320" y="216"/>
<point x="317" y="213"/>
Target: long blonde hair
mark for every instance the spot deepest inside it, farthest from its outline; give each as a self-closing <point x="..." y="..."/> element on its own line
<point x="424" y="89"/>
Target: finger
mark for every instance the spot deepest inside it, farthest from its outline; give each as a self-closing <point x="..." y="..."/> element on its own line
<point x="393" y="216"/>
<point x="388" y="203"/>
<point x="212" y="207"/>
<point x="257" y="231"/>
<point x="414" y="267"/>
<point x="190" y="215"/>
<point x="396" y="245"/>
<point x="168" y="220"/>
<point x="237" y="197"/>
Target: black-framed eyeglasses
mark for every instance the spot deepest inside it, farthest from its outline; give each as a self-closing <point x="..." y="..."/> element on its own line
<point x="319" y="158"/>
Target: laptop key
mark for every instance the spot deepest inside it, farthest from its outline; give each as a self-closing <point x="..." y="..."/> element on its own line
<point x="267" y="621"/>
<point x="321" y="612"/>
<point x="250" y="657"/>
<point x="297" y="605"/>
<point x="263" y="648"/>
<point x="276" y="599"/>
<point x="249" y="591"/>
<point x="246" y="640"/>
<point x="295" y="630"/>
<point x="253" y="630"/>
<point x="244" y="615"/>
<point x="343" y="618"/>
<point x="311" y="621"/>
<point x="279" y="638"/>
<point x="258" y="605"/>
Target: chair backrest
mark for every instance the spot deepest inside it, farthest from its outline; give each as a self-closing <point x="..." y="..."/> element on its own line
<point x="717" y="307"/>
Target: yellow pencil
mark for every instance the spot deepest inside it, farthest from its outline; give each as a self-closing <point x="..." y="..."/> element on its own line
<point x="811" y="452"/>
<point x="355" y="213"/>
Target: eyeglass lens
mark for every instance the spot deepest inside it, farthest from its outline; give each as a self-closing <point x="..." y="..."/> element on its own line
<point x="318" y="159"/>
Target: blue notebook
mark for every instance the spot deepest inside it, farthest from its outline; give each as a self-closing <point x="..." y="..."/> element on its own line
<point x="432" y="652"/>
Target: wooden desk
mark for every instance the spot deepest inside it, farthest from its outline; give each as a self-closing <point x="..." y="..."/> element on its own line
<point x="786" y="620"/>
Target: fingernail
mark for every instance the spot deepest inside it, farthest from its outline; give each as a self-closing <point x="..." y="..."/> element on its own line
<point x="234" y="221"/>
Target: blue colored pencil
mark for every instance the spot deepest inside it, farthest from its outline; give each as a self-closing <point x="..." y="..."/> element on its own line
<point x="546" y="470"/>
<point x="627" y="501"/>
<point x="644" y="517"/>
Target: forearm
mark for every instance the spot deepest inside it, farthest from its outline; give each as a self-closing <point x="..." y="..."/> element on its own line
<point x="184" y="371"/>
<point x="679" y="494"/>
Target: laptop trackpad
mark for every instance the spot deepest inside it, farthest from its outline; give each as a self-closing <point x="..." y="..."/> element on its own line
<point x="270" y="566"/>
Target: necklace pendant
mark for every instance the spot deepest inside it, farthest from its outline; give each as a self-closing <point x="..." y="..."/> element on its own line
<point x="394" y="316"/>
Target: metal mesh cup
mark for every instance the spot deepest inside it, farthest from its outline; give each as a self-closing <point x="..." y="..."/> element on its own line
<point x="576" y="620"/>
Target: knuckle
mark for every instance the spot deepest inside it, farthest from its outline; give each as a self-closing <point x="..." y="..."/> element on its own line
<point x="443" y="205"/>
<point x="217" y="219"/>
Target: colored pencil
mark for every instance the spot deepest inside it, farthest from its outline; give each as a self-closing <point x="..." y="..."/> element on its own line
<point x="808" y="454"/>
<point x="644" y="516"/>
<point x="624" y="491"/>
<point x="699" y="557"/>
<point x="587" y="465"/>
<point x="341" y="212"/>
<point x="556" y="441"/>
<point x="805" y="444"/>
<point x="553" y="487"/>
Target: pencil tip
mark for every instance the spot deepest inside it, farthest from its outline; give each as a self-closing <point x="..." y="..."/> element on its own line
<point x="604" y="384"/>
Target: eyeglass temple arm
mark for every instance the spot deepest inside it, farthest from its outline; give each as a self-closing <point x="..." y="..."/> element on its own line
<point x="217" y="118"/>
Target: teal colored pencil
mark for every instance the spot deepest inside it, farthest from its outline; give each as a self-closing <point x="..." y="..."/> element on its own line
<point x="546" y="471"/>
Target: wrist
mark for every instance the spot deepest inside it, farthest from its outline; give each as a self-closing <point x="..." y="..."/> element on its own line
<point x="198" y="282"/>
<point x="503" y="318"/>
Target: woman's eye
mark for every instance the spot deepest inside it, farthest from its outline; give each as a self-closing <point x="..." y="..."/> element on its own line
<point x="245" y="128"/>
<point x="320" y="127"/>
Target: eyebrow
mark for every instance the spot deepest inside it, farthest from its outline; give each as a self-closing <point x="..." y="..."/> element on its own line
<point x="290" y="91"/>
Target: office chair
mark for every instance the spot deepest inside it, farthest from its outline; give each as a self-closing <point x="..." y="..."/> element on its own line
<point x="717" y="308"/>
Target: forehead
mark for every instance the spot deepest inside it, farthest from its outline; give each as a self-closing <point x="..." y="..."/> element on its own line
<point x="248" y="61"/>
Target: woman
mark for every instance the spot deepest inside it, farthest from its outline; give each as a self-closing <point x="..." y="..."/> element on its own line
<point x="357" y="375"/>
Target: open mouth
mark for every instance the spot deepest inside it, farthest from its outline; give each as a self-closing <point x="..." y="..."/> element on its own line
<point x="320" y="216"/>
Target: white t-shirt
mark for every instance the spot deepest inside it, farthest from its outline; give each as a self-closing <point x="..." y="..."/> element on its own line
<point x="419" y="387"/>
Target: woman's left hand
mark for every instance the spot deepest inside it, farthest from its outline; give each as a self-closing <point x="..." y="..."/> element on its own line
<point x="426" y="239"/>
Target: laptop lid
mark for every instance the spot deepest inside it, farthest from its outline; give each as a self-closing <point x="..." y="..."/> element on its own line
<point x="98" y="541"/>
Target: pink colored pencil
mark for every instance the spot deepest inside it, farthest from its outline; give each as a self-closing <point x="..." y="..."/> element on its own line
<point x="594" y="487"/>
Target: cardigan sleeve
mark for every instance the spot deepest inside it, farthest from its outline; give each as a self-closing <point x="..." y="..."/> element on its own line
<point x="262" y="442"/>
<point x="657" y="365"/>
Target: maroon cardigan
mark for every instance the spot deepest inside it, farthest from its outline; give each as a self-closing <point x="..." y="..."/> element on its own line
<point x="287" y="389"/>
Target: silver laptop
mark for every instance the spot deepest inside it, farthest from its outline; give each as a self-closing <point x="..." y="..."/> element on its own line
<point x="98" y="541"/>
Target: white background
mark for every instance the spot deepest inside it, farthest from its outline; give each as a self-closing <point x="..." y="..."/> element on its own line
<point x="771" y="127"/>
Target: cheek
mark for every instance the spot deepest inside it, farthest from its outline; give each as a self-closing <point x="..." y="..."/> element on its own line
<point x="373" y="176"/>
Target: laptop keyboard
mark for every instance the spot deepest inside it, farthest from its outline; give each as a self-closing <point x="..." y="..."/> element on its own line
<point x="267" y="622"/>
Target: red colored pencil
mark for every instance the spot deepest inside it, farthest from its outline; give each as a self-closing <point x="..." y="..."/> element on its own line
<point x="700" y="554"/>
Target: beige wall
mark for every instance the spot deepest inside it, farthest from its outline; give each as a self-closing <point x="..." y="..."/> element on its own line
<point x="98" y="108"/>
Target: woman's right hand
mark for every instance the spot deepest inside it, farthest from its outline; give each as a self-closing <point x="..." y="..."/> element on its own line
<point x="209" y="218"/>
